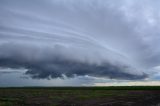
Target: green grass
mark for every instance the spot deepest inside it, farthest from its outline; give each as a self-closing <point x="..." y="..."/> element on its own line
<point x="90" y="88"/>
<point x="52" y="96"/>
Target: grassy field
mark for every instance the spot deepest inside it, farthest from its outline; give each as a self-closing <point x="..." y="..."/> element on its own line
<point x="81" y="96"/>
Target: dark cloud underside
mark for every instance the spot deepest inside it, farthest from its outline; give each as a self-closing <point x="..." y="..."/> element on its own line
<point x="57" y="38"/>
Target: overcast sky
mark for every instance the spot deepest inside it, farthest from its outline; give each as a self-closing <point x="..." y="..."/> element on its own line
<point x="79" y="42"/>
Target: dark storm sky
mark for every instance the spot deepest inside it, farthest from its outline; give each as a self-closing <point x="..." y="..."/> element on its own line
<point x="50" y="39"/>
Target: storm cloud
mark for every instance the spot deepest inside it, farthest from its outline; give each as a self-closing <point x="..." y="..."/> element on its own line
<point x="99" y="38"/>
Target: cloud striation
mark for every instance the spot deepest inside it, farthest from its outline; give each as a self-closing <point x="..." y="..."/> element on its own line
<point x="98" y="38"/>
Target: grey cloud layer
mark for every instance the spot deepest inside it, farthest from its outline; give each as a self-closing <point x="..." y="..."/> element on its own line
<point x="60" y="37"/>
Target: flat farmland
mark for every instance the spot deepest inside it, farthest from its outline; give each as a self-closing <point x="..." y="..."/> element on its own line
<point x="81" y="96"/>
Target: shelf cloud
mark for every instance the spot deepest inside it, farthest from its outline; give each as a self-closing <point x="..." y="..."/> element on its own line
<point x="57" y="38"/>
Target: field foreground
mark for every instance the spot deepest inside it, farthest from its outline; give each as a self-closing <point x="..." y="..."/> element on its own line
<point x="80" y="96"/>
